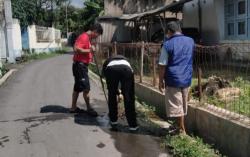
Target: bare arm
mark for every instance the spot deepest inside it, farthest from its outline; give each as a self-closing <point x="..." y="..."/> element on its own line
<point x="80" y="50"/>
<point x="161" y="77"/>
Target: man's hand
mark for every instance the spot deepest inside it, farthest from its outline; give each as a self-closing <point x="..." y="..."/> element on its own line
<point x="161" y="86"/>
<point x="93" y="48"/>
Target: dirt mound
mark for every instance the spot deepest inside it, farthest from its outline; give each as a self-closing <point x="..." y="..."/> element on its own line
<point x="219" y="88"/>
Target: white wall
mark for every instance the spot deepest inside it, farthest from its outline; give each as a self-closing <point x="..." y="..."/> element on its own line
<point x="3" y="51"/>
<point x="212" y="19"/>
<point x="41" y="46"/>
<point x="17" y="40"/>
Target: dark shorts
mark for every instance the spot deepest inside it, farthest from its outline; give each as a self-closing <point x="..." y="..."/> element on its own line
<point x="80" y="72"/>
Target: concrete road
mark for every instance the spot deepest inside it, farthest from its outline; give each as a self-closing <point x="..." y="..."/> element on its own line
<point x="34" y="121"/>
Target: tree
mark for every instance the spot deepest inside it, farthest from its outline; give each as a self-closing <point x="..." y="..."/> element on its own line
<point x="25" y="11"/>
<point x="53" y="13"/>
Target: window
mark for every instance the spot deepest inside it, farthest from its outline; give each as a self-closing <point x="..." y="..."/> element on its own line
<point x="230" y="29"/>
<point x="230" y="10"/>
<point x="237" y="18"/>
<point x="242" y="28"/>
<point x="241" y="7"/>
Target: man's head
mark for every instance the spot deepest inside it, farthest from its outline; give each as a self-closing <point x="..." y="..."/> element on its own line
<point x="96" y="30"/>
<point x="173" y="28"/>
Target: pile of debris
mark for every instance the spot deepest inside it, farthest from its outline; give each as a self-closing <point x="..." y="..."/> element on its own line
<point x="219" y="88"/>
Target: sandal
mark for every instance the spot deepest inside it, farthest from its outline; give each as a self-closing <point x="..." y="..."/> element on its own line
<point x="92" y="112"/>
<point x="77" y="110"/>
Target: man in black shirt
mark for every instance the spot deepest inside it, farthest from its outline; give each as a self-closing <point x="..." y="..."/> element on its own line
<point x="117" y="70"/>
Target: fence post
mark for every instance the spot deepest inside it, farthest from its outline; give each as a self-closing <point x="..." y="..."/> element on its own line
<point x="141" y="64"/>
<point x="199" y="83"/>
<point x="154" y="69"/>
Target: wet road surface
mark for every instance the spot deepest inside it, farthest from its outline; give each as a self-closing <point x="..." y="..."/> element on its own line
<point x="34" y="118"/>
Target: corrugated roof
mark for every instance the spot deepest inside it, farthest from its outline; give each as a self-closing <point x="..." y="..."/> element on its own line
<point x="173" y="7"/>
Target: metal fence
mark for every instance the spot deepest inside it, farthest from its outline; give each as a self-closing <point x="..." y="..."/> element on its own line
<point x="221" y="79"/>
<point x="48" y="34"/>
<point x="221" y="73"/>
<point x="57" y="36"/>
<point x="43" y="34"/>
<point x="143" y="57"/>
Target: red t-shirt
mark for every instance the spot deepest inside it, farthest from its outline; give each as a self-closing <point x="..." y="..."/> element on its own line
<point x="83" y="42"/>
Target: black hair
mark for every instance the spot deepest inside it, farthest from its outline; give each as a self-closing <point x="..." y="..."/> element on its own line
<point x="173" y="27"/>
<point x="97" y="27"/>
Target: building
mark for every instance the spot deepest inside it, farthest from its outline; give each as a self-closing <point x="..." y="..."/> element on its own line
<point x="10" y="34"/>
<point x="137" y="20"/>
<point x="220" y="21"/>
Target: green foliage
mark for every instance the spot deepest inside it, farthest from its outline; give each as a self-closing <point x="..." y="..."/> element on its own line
<point x="3" y="70"/>
<point x="186" y="146"/>
<point x="25" y="11"/>
<point x="44" y="55"/>
<point x="53" y="13"/>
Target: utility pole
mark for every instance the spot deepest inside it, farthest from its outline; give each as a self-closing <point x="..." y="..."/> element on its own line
<point x="1" y="22"/>
<point x="67" y="24"/>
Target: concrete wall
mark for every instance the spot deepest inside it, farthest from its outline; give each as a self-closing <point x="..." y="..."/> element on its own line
<point x="117" y="8"/>
<point x="17" y="39"/>
<point x="152" y="97"/>
<point x="212" y="18"/>
<point x="229" y="136"/>
<point x="38" y="47"/>
<point x="3" y="50"/>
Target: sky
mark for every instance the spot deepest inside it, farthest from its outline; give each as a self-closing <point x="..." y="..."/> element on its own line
<point x="77" y="3"/>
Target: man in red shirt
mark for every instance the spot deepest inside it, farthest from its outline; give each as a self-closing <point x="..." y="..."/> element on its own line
<point x="83" y="50"/>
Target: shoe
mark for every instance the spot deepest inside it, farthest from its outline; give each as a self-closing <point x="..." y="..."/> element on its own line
<point x="133" y="128"/>
<point x="92" y="112"/>
<point x="173" y="130"/>
<point x="114" y="126"/>
<point x="113" y="123"/>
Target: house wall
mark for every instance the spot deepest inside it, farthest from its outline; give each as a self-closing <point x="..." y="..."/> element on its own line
<point x="116" y="30"/>
<point x="3" y="50"/>
<point x="16" y="36"/>
<point x="41" y="46"/>
<point x="212" y="18"/>
<point x="119" y="7"/>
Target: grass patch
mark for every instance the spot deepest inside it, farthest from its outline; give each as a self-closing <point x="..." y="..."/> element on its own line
<point x="3" y="70"/>
<point x="34" y="56"/>
<point x="179" y="145"/>
<point x="187" y="146"/>
<point x="239" y="105"/>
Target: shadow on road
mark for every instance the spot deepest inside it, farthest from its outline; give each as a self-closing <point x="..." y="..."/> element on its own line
<point x="103" y="121"/>
<point x="54" y="109"/>
<point x="141" y="143"/>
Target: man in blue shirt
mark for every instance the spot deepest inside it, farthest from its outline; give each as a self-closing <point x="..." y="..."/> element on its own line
<point x="175" y="73"/>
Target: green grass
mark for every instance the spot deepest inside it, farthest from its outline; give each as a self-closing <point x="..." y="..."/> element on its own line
<point x="33" y="56"/>
<point x="3" y="70"/>
<point x="187" y="146"/>
<point x="239" y="105"/>
<point x="178" y="145"/>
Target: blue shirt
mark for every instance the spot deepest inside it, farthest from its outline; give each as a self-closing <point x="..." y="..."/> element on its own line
<point x="179" y="60"/>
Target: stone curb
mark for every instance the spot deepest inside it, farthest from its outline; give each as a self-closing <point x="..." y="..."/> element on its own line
<point x="7" y="75"/>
